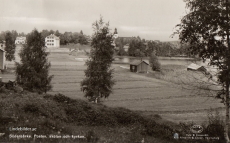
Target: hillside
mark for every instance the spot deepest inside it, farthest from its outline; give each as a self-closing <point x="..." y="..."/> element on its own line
<point x="38" y="117"/>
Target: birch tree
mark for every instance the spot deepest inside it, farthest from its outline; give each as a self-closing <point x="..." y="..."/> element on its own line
<point x="98" y="80"/>
<point x="206" y="28"/>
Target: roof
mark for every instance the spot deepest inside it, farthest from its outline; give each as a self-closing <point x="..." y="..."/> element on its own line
<point x="21" y="38"/>
<point x="194" y="66"/>
<point x="52" y="35"/>
<point x="137" y="62"/>
<point x="126" y="47"/>
<point x="2" y="50"/>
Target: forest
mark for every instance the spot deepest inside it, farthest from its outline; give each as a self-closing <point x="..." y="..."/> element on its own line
<point x="138" y="47"/>
<point x="65" y="38"/>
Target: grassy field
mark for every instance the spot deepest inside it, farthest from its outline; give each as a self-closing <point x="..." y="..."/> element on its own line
<point x="152" y="93"/>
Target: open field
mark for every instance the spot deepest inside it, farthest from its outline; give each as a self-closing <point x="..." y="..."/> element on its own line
<point x="133" y="91"/>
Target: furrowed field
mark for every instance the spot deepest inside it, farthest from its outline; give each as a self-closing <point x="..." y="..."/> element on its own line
<point x="141" y="92"/>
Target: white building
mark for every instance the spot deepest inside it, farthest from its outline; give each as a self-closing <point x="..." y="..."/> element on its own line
<point x="2" y="59"/>
<point x="2" y="45"/>
<point x="20" y="40"/>
<point x="52" y="41"/>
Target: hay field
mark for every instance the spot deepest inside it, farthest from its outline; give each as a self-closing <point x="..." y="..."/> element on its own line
<point x="139" y="92"/>
<point x="133" y="91"/>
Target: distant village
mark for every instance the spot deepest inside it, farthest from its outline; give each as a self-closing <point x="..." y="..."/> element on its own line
<point x="130" y="46"/>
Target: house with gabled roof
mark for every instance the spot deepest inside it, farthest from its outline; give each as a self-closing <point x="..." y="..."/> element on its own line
<point x="20" y="40"/>
<point x="195" y="67"/>
<point x="139" y="66"/>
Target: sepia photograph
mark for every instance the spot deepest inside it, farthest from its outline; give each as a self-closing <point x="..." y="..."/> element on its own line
<point x="114" y="71"/>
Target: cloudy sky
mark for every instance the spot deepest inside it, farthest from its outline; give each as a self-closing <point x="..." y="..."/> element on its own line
<point x="149" y="19"/>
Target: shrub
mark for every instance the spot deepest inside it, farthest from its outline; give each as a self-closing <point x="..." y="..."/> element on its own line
<point x="215" y="127"/>
<point x="91" y="136"/>
<point x="126" y="117"/>
<point x="32" y="108"/>
<point x="154" y="63"/>
<point x="62" y="98"/>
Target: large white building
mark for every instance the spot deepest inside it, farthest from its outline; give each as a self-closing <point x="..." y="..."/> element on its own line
<point x="20" y="40"/>
<point x="52" y="41"/>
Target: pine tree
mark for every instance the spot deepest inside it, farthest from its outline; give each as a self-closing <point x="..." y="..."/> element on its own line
<point x="98" y="82"/>
<point x="33" y="70"/>
<point x="10" y="46"/>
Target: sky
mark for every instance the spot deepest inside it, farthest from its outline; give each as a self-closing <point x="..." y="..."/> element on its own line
<point x="149" y="19"/>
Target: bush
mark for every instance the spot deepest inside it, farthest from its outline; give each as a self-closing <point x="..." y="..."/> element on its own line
<point x="155" y="129"/>
<point x="62" y="98"/>
<point x="91" y="136"/>
<point x="215" y="127"/>
<point x="32" y="108"/>
<point x="154" y="63"/>
<point x="126" y="117"/>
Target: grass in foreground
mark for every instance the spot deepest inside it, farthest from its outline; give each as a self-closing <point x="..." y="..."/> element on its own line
<point x="59" y="115"/>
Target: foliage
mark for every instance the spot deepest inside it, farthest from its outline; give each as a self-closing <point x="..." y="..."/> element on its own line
<point x="120" y="47"/>
<point x="121" y="52"/>
<point x="10" y="46"/>
<point x="215" y="127"/>
<point x="143" y="48"/>
<point x="208" y="36"/>
<point x="205" y="33"/>
<point x="67" y="37"/>
<point x="94" y="121"/>
<point x="98" y="82"/>
<point x="137" y="48"/>
<point x="33" y="70"/>
<point x="82" y="40"/>
<point x="91" y="136"/>
<point x="154" y="63"/>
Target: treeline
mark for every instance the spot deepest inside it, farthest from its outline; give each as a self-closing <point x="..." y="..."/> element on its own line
<point x="68" y="37"/>
<point x="65" y="38"/>
<point x="138" y="47"/>
<point x="13" y="33"/>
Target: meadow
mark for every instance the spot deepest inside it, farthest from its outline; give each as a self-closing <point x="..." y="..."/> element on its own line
<point x="150" y="94"/>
